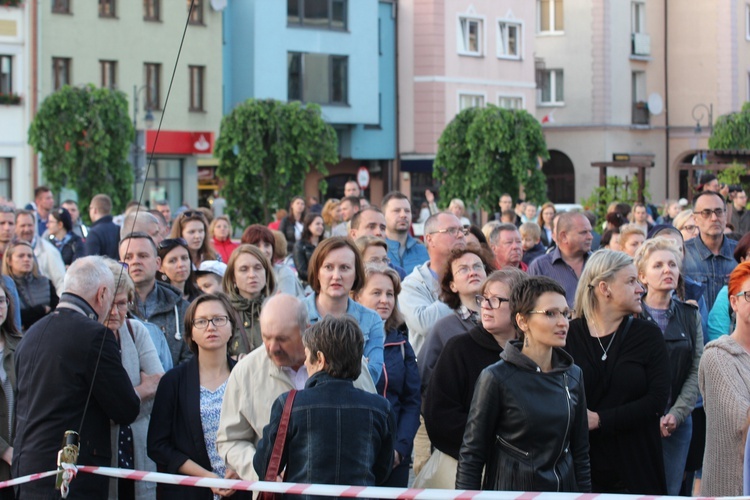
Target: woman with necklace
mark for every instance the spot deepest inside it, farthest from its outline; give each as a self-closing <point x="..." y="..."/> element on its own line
<point x="725" y="385"/>
<point x="658" y="262"/>
<point x="626" y="376"/>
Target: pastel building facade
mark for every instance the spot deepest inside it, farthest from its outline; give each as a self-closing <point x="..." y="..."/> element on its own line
<point x="455" y="54"/>
<point x="339" y="54"/>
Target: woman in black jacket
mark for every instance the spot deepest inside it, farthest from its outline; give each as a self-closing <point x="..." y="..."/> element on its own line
<point x="291" y="225"/>
<point x="447" y="399"/>
<point x="37" y="293"/>
<point x="658" y="262"/>
<point x="312" y="234"/>
<point x="185" y="415"/>
<point x="530" y="405"/>
<point x="626" y="373"/>
<point x="60" y="229"/>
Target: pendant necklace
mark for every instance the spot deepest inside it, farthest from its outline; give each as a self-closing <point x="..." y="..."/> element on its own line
<point x="598" y="339"/>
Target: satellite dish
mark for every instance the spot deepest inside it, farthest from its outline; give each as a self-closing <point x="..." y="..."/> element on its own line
<point x="218" y="5"/>
<point x="655" y="104"/>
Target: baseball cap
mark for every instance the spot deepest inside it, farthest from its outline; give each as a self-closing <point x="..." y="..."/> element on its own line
<point x="212" y="266"/>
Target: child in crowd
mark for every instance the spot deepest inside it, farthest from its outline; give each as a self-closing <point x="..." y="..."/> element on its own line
<point x="209" y="275"/>
<point x="531" y="238"/>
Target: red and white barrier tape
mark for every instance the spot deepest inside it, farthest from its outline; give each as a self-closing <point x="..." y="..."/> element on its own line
<point x="331" y="490"/>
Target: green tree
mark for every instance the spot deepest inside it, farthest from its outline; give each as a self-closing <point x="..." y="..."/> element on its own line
<point x="732" y="131"/>
<point x="616" y="190"/>
<point x="485" y="152"/>
<point x="265" y="149"/>
<point x="84" y="135"/>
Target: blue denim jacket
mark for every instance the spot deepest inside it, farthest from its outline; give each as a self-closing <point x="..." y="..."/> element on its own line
<point x="337" y="435"/>
<point x="372" y="328"/>
<point x="414" y="255"/>
<point x="711" y="271"/>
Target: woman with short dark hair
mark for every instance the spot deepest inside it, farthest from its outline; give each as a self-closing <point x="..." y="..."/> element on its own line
<point x="531" y="405"/>
<point x="60" y="230"/>
<point x="337" y="434"/>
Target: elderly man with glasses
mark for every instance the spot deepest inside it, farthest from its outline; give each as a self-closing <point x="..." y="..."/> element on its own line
<point x="709" y="258"/>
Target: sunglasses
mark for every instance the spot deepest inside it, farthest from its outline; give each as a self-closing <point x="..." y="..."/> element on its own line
<point x="172" y="242"/>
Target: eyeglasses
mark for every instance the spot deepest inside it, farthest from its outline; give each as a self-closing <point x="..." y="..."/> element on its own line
<point x="122" y="306"/>
<point x="375" y="260"/>
<point x="217" y="321"/>
<point x="689" y="228"/>
<point x="744" y="294"/>
<point x="477" y="268"/>
<point x="172" y="242"/>
<point x="494" y="302"/>
<point x="554" y="313"/>
<point x="706" y="214"/>
<point x="453" y="231"/>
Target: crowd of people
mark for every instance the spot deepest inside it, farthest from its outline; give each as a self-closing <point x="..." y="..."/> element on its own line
<point x="544" y="351"/>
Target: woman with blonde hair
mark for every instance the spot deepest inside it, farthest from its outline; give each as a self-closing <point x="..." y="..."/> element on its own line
<point x="626" y="377"/>
<point x="685" y="222"/>
<point x="248" y="281"/>
<point x="632" y="237"/>
<point x="331" y="215"/>
<point x="399" y="382"/>
<point x="191" y="225"/>
<point x="37" y="294"/>
<point x="659" y="262"/>
<point x="220" y="231"/>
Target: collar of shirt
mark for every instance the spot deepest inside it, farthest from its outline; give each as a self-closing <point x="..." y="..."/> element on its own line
<point x="298" y="377"/>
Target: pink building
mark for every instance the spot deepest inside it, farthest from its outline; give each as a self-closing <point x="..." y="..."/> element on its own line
<point x="455" y="54"/>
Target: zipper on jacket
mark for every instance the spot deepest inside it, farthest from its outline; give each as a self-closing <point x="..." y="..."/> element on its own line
<point x="567" y="426"/>
<point x="514" y="448"/>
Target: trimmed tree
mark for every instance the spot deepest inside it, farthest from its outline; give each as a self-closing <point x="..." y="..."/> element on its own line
<point x="732" y="131"/>
<point x="265" y="149"/>
<point x="84" y="136"/>
<point x="485" y="152"/>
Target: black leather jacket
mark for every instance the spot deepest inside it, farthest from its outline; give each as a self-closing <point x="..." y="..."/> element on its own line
<point x="536" y="423"/>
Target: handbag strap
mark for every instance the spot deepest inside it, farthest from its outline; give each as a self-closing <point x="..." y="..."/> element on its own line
<point x="278" y="446"/>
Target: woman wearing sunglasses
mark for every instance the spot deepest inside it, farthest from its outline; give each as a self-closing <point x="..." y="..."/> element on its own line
<point x="176" y="269"/>
<point x="447" y="398"/>
<point x="626" y="374"/>
<point x="192" y="227"/>
<point x="530" y="405"/>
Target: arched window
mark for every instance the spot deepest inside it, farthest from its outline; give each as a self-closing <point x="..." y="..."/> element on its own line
<point x="560" y="178"/>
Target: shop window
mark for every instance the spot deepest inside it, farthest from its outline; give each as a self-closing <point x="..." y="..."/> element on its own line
<point x="165" y="179"/>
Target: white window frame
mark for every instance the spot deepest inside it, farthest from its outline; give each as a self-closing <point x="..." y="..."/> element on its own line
<point x="747" y="21"/>
<point x="462" y="39"/>
<point x="473" y="95"/>
<point x="552" y="14"/>
<point x="502" y="41"/>
<point x="638" y="17"/>
<point x="553" y="88"/>
<point x="518" y="97"/>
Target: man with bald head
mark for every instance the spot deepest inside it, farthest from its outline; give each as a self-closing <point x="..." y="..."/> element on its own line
<point x="261" y="377"/>
<point x="565" y="263"/>
<point x="142" y="221"/>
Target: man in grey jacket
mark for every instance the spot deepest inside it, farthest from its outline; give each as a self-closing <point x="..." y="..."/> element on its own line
<point x="156" y="302"/>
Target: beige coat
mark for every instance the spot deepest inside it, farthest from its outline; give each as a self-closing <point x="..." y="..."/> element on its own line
<point x="253" y="386"/>
<point x="724" y="378"/>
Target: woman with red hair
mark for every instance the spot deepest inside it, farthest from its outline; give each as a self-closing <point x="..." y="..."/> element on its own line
<point x="724" y="379"/>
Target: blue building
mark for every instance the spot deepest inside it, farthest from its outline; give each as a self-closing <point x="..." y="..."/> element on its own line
<point x="340" y="54"/>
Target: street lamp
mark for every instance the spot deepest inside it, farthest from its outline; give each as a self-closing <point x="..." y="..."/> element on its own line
<point x="698" y="115"/>
<point x="140" y="138"/>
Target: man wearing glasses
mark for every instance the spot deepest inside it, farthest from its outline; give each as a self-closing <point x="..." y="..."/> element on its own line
<point x="709" y="257"/>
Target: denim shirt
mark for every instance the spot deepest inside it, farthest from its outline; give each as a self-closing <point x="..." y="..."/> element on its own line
<point x="414" y="255"/>
<point x="372" y="328"/>
<point x="711" y="271"/>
